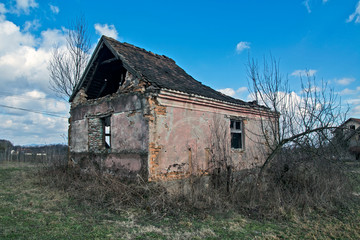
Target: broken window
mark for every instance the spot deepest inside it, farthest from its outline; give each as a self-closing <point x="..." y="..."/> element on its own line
<point x="107" y="131"/>
<point x="352" y="127"/>
<point x="236" y="129"/>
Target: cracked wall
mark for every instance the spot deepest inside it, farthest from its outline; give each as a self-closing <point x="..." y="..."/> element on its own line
<point x="158" y="138"/>
<point x="181" y="136"/>
<point x="128" y="153"/>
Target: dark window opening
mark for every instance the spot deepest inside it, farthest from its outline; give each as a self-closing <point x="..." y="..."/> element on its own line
<point x="352" y="127"/>
<point x="107" y="73"/>
<point x="107" y="131"/>
<point x="236" y="134"/>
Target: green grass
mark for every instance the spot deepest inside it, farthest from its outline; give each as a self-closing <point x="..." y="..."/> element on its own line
<point x="28" y="210"/>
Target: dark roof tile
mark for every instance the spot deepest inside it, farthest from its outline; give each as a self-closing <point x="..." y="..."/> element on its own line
<point x="163" y="72"/>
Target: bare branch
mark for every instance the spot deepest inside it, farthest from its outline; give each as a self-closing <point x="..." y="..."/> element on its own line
<point x="67" y="65"/>
<point x="304" y="120"/>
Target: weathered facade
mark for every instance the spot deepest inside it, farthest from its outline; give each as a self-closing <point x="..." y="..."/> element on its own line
<point x="138" y="113"/>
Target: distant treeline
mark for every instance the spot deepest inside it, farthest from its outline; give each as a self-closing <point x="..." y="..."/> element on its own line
<point x="53" y="153"/>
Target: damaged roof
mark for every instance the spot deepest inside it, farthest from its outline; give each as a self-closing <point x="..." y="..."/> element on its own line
<point x="159" y="70"/>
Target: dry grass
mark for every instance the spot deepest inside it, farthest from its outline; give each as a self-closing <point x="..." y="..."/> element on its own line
<point x="296" y="188"/>
<point x="290" y="188"/>
<point x="29" y="210"/>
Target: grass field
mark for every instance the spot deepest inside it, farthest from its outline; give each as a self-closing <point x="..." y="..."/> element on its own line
<point x="28" y="210"/>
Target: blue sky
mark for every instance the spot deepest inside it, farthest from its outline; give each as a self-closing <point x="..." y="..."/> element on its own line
<point x="211" y="40"/>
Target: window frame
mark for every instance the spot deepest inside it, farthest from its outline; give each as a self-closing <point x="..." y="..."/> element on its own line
<point x="237" y="127"/>
<point x="106" y="122"/>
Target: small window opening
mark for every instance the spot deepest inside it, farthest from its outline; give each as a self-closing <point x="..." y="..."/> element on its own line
<point x="352" y="127"/>
<point x="107" y="131"/>
<point x="236" y="134"/>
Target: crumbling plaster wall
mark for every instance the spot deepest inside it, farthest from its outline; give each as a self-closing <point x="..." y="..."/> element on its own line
<point x="181" y="136"/>
<point x="129" y="134"/>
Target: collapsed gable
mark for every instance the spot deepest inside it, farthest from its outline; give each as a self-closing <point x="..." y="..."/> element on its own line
<point x="104" y="74"/>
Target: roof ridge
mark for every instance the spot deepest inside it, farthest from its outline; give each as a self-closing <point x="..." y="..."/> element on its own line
<point x="139" y="48"/>
<point x="163" y="71"/>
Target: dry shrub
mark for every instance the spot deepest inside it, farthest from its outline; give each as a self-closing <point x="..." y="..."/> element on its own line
<point x="296" y="183"/>
<point x="115" y="194"/>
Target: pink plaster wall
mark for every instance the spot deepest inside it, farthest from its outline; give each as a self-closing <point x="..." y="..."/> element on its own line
<point x="129" y="131"/>
<point x="127" y="155"/>
<point x="78" y="141"/>
<point x="183" y="137"/>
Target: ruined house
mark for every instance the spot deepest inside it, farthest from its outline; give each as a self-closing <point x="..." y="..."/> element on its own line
<point x="348" y="135"/>
<point x="136" y="113"/>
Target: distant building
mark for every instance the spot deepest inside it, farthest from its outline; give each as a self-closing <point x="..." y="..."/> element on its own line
<point x="348" y="134"/>
<point x="138" y="113"/>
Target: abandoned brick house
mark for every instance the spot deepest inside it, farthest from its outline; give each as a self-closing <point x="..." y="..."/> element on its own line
<point x="138" y="113"/>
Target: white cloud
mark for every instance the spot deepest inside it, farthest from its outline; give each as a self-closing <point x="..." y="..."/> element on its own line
<point x="36" y="100"/>
<point x="24" y="83"/>
<point x="35" y="94"/>
<point x="33" y="128"/>
<point x="52" y="37"/>
<point x="24" y="58"/>
<point x="242" y="46"/>
<point x="355" y="111"/>
<point x="286" y="101"/>
<point x="234" y="93"/>
<point x="241" y="90"/>
<point x="107" y="30"/>
<point x="355" y="15"/>
<point x="26" y="64"/>
<point x="31" y="25"/>
<point x="12" y="38"/>
<point x="306" y="4"/>
<point x="304" y="73"/>
<point x="54" y="9"/>
<point x="347" y="91"/>
<point x="228" y="91"/>
<point x="25" y="127"/>
<point x="3" y="9"/>
<point x="353" y="101"/>
<point x="344" y="81"/>
<point x="25" y="5"/>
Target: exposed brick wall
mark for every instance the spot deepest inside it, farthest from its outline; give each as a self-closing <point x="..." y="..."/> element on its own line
<point x="160" y="110"/>
<point x="154" y="161"/>
<point x="95" y="133"/>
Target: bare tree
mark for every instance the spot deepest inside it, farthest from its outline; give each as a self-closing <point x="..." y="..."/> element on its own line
<point x="67" y="65"/>
<point x="306" y="119"/>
